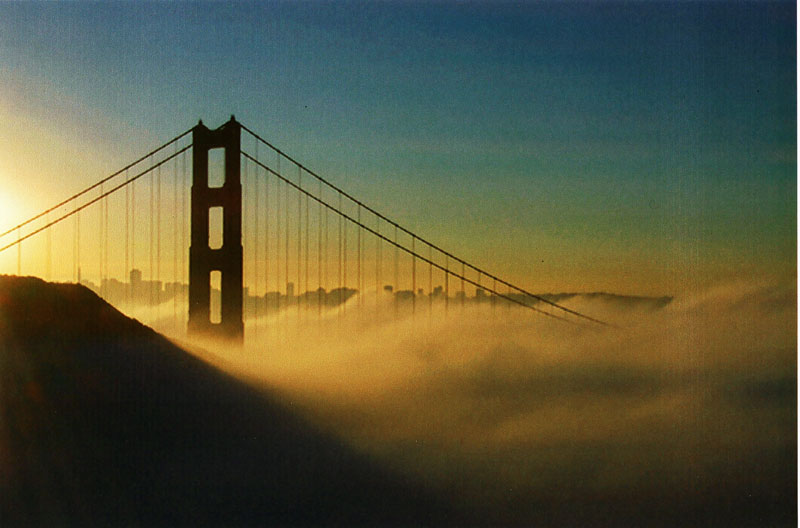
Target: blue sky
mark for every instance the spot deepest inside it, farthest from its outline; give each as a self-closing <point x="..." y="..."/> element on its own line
<point x="620" y="146"/>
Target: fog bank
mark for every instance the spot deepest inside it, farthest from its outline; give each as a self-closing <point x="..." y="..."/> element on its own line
<point x="683" y="414"/>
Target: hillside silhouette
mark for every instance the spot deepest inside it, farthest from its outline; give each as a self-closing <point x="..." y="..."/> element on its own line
<point x="105" y="422"/>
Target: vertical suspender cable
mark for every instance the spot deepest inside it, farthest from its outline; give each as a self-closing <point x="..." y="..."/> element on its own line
<point x="251" y="219"/>
<point x="396" y="287"/>
<point x="278" y="238"/>
<point x="326" y="260"/>
<point x="326" y="256"/>
<point x="253" y="291"/>
<point x="299" y="235"/>
<point x="254" y="295"/>
<point x="256" y="248"/>
<point x="344" y="256"/>
<point x="463" y="292"/>
<point x="278" y="287"/>
<point x="339" y="259"/>
<point x="413" y="276"/>
<point x="430" y="280"/>
<point x="396" y="268"/>
<point x="158" y="244"/>
<point x="49" y="249"/>
<point x="286" y="255"/>
<point x="184" y="220"/>
<point x="305" y="297"/>
<point x="152" y="219"/>
<point x="246" y="226"/>
<point x="281" y="283"/>
<point x="100" y="244"/>
<point x="19" y="253"/>
<point x="277" y="252"/>
<point x="377" y="262"/>
<point x="266" y="240"/>
<point x="104" y="241"/>
<point x="479" y="286"/>
<point x="127" y="243"/>
<point x="319" y="253"/>
<point x="174" y="215"/>
<point x="494" y="296"/>
<point x="75" y="249"/>
<point x="358" y="267"/>
<point x="78" y="245"/>
<point x="133" y="236"/>
<point x="106" y="238"/>
<point x="446" y="283"/>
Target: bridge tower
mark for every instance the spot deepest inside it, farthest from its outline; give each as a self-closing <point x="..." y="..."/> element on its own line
<point x="227" y="259"/>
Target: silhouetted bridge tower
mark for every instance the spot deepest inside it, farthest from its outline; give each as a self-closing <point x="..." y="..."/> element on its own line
<point x="268" y="239"/>
<point x="227" y="259"/>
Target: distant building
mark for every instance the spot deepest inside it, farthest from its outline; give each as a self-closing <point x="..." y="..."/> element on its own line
<point x="404" y="295"/>
<point x="176" y="289"/>
<point x="113" y="289"/>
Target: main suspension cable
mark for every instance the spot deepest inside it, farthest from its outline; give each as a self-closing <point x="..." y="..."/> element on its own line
<point x="424" y="241"/>
<point x="91" y="187"/>
<point x="398" y="246"/>
<point x="90" y="202"/>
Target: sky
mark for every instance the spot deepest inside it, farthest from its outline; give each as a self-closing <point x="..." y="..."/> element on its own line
<point x="645" y="148"/>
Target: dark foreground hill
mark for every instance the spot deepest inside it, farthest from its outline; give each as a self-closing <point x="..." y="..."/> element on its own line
<point x="104" y="422"/>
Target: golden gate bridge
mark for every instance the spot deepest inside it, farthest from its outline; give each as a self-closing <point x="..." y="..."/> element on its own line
<point x="257" y="235"/>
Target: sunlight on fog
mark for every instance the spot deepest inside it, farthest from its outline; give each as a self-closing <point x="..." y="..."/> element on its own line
<point x="501" y="404"/>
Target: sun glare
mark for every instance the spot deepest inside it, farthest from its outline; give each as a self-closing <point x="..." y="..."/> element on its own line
<point x="9" y="212"/>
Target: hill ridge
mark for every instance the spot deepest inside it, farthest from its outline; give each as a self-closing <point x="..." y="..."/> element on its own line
<point x="107" y="422"/>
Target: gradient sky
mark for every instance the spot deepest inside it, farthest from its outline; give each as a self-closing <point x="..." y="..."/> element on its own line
<point x="632" y="147"/>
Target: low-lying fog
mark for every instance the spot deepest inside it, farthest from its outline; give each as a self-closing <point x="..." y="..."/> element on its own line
<point x="513" y="411"/>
